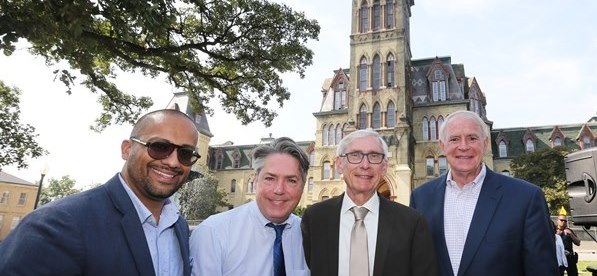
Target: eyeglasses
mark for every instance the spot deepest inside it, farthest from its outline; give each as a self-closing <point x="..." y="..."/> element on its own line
<point x="357" y="156"/>
<point x="159" y="150"/>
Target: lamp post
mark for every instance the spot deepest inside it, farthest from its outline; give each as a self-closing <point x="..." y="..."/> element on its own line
<point x="44" y="171"/>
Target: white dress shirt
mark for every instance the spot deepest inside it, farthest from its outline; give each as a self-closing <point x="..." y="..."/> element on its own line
<point x="238" y="242"/>
<point x="459" y="207"/>
<point x="346" y="223"/>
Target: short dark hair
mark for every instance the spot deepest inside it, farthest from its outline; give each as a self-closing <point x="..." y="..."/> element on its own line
<point x="148" y="118"/>
<point x="281" y="145"/>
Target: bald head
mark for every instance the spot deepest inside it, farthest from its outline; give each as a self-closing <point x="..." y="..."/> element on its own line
<point x="157" y="116"/>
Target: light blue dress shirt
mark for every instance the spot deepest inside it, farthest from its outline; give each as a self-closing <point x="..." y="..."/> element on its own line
<point x="161" y="238"/>
<point x="238" y="242"/>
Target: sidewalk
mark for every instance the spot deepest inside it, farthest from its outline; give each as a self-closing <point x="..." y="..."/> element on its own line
<point x="587" y="251"/>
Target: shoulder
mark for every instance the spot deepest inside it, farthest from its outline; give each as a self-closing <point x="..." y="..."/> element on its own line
<point x="430" y="186"/>
<point x="228" y="217"/>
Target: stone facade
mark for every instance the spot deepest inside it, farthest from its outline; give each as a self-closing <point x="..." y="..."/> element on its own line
<point x="17" y="198"/>
<point x="404" y="99"/>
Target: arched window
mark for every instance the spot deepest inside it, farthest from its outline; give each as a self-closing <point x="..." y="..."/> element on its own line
<point x="443" y="164"/>
<point x="389" y="11"/>
<point x="503" y="149"/>
<point x="586" y="142"/>
<point x="529" y="145"/>
<point x="340" y="96"/>
<point x="336" y="173"/>
<point x="390" y="71"/>
<point x="376" y="123"/>
<point x="363" y="75"/>
<point x="439" y="86"/>
<point x="440" y="122"/>
<point x="331" y="135"/>
<point x="338" y="134"/>
<point x="312" y="158"/>
<point x="250" y="186"/>
<point x="363" y="117"/>
<point x="364" y="17"/>
<point x="425" y="129"/>
<point x="557" y="141"/>
<point x="429" y="163"/>
<point x="391" y="115"/>
<point x="219" y="160"/>
<point x="326" y="170"/>
<point x="433" y="129"/>
<point x="376" y="15"/>
<point x="324" y="135"/>
<point x="376" y="72"/>
<point x="311" y="185"/>
<point x="233" y="186"/>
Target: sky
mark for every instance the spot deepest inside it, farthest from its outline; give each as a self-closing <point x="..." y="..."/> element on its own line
<point x="534" y="60"/>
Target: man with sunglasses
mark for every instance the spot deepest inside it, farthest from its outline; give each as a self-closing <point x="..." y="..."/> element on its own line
<point x="261" y="237"/>
<point x="127" y="226"/>
<point x="360" y="232"/>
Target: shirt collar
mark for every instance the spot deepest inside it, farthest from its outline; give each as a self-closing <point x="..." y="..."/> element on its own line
<point x="169" y="211"/>
<point x="479" y="179"/>
<point x="372" y="204"/>
<point x="264" y="221"/>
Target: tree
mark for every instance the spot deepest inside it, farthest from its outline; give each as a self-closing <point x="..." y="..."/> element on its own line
<point x="200" y="197"/>
<point x="58" y="189"/>
<point x="235" y="50"/>
<point x="546" y="169"/>
<point x="17" y="141"/>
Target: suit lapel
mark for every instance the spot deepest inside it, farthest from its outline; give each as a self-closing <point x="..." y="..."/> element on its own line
<point x="486" y="206"/>
<point x="183" y="240"/>
<point x="384" y="233"/>
<point x="131" y="227"/>
<point x="438" y="198"/>
<point x="333" y="231"/>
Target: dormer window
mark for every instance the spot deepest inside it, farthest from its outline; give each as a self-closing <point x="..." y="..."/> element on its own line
<point x="557" y="142"/>
<point x="529" y="146"/>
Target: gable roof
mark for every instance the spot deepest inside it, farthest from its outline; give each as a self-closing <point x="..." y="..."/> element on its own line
<point x="8" y="178"/>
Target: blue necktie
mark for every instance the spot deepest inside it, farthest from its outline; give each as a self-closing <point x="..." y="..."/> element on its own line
<point x="279" y="267"/>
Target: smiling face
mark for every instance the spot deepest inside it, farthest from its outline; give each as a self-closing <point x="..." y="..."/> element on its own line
<point x="464" y="147"/>
<point x="362" y="178"/>
<point x="155" y="180"/>
<point x="279" y="186"/>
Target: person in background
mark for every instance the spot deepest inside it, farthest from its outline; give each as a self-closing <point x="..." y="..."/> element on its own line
<point x="560" y="251"/>
<point x="569" y="239"/>
<point x="360" y="232"/>
<point x="127" y="226"/>
<point x="483" y="223"/>
<point x="261" y="237"/>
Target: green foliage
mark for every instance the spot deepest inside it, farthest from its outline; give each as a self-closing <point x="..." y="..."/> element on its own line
<point x="299" y="211"/>
<point x="546" y="169"/>
<point x="200" y="197"/>
<point x="232" y="50"/>
<point x="57" y="189"/>
<point x="17" y="141"/>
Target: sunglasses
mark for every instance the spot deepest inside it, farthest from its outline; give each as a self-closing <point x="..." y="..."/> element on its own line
<point x="563" y="220"/>
<point x="159" y="150"/>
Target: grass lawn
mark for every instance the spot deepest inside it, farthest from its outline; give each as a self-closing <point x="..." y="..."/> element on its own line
<point x="582" y="267"/>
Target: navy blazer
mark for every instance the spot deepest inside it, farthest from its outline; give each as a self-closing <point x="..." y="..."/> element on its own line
<point x="510" y="233"/>
<point x="95" y="232"/>
<point x="404" y="245"/>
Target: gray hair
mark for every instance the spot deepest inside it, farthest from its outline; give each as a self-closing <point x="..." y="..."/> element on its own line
<point x="360" y="134"/>
<point x="281" y="145"/>
<point x="467" y="115"/>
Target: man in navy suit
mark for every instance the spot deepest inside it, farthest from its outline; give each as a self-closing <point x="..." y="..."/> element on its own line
<point x="484" y="223"/>
<point x="398" y="239"/>
<point x="129" y="225"/>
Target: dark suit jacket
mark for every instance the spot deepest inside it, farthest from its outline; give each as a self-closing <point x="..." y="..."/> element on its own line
<point x="96" y="232"/>
<point x="404" y="244"/>
<point x="510" y="233"/>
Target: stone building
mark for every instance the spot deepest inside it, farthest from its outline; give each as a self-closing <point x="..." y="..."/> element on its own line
<point x="404" y="99"/>
<point x="17" y="198"/>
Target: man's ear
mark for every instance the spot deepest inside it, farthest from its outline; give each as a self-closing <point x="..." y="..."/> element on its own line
<point x="125" y="149"/>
